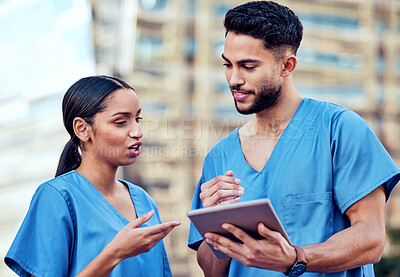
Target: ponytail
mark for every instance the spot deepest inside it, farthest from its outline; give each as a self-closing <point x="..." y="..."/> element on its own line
<point x="70" y="157"/>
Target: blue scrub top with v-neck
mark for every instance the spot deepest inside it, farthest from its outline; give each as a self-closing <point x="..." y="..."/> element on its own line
<point x="69" y="223"/>
<point x="326" y="159"/>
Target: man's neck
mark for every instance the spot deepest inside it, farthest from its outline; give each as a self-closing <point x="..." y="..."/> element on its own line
<point x="271" y="122"/>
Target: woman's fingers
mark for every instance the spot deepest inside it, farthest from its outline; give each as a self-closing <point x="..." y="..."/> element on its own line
<point x="162" y="228"/>
<point x="141" y="219"/>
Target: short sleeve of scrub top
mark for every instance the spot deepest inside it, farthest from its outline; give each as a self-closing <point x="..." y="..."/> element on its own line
<point x="46" y="248"/>
<point x="359" y="157"/>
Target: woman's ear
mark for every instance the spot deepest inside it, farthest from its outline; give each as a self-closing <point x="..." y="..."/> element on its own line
<point x="81" y="129"/>
<point x="290" y="63"/>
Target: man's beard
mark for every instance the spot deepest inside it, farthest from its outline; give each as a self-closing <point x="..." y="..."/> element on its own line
<point x="267" y="97"/>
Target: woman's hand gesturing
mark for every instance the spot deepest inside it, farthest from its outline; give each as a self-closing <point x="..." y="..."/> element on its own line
<point x="132" y="240"/>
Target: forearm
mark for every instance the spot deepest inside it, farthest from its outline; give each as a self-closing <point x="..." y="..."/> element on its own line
<point x="210" y="265"/>
<point x="350" y="248"/>
<point x="102" y="265"/>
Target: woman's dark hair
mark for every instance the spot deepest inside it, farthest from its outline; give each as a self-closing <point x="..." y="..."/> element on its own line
<point x="84" y="99"/>
<point x="277" y="25"/>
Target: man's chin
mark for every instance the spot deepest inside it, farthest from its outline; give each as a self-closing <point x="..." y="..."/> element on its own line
<point x="243" y="110"/>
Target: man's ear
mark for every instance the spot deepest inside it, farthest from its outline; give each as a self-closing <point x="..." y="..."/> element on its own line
<point x="289" y="65"/>
<point x="81" y="129"/>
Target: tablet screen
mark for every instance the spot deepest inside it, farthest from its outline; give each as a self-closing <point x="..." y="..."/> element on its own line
<point x="245" y="215"/>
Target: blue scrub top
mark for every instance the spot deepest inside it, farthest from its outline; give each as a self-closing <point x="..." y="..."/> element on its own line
<point x="327" y="159"/>
<point x="69" y="223"/>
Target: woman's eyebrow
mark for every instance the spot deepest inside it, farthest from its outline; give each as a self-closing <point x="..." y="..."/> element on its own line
<point x="122" y="113"/>
<point x="126" y="113"/>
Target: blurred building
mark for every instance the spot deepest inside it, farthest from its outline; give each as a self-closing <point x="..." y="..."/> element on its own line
<point x="170" y="52"/>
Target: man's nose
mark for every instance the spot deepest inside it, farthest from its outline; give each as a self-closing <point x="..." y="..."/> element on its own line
<point x="235" y="79"/>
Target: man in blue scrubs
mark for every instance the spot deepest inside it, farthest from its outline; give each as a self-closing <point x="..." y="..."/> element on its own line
<point x="325" y="172"/>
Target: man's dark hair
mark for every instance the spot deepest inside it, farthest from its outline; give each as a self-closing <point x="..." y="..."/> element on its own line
<point x="277" y="25"/>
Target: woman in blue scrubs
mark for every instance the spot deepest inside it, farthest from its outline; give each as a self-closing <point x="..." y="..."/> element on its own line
<point x="85" y="222"/>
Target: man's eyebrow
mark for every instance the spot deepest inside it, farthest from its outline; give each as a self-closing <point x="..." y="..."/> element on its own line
<point x="242" y="61"/>
<point x="248" y="61"/>
<point x="224" y="58"/>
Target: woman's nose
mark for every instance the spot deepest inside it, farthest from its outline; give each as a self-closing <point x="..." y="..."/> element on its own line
<point x="136" y="131"/>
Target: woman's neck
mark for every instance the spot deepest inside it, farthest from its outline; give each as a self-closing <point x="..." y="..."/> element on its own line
<point x="102" y="177"/>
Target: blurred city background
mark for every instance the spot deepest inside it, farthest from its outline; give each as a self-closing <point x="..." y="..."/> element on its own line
<point x="170" y="52"/>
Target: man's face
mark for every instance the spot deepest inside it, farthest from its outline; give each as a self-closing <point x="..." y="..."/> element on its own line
<point x="252" y="73"/>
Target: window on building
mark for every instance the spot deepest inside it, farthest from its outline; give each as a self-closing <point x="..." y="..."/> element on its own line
<point x="149" y="49"/>
<point x="153" y="4"/>
<point x="325" y="22"/>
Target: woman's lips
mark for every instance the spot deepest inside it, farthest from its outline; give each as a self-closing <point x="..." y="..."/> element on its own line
<point x="134" y="149"/>
<point x="134" y="153"/>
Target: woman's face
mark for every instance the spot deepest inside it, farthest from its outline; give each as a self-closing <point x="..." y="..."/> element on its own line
<point x="116" y="133"/>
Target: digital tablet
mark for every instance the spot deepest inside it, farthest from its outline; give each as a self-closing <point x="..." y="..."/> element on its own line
<point x="245" y="215"/>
